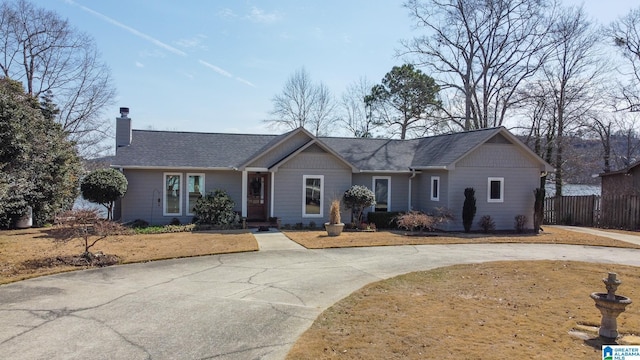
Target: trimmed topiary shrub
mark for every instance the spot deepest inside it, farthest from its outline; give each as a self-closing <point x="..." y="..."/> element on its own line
<point x="358" y="198"/>
<point x="104" y="187"/>
<point x="216" y="208"/>
<point x="468" y="208"/>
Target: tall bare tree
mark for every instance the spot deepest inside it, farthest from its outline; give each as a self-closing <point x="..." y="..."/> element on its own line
<point x="624" y="33"/>
<point x="302" y="103"/>
<point x="357" y="109"/>
<point x="483" y="51"/>
<point x="572" y="74"/>
<point x="55" y="60"/>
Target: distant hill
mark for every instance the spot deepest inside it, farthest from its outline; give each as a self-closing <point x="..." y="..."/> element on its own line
<point x="584" y="157"/>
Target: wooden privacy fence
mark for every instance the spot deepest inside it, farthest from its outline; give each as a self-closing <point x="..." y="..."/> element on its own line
<point x="620" y="211"/>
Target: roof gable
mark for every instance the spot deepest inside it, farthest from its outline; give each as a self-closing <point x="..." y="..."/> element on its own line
<point x="169" y="149"/>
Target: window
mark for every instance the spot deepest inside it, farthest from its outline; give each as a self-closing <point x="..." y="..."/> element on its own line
<point x="435" y="188"/>
<point x="172" y="195"/>
<point x="195" y="188"/>
<point x="495" y="189"/>
<point x="382" y="190"/>
<point x="313" y="189"/>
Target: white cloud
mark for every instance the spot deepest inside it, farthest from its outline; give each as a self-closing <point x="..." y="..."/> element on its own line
<point x="227" y="13"/>
<point x="139" y="64"/>
<point x="215" y="68"/>
<point x="130" y="29"/>
<point x="247" y="82"/>
<point x="154" y="53"/>
<point x="194" y="42"/>
<point x="260" y="16"/>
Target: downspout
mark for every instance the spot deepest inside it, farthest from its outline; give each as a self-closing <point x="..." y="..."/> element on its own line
<point x="244" y="193"/>
<point x="413" y="174"/>
<point x="272" y="191"/>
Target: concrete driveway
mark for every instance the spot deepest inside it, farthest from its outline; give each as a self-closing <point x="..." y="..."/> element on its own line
<point x="236" y="306"/>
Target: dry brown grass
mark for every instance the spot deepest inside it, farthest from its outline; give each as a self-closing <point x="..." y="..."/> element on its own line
<point x="20" y="249"/>
<point x="320" y="240"/>
<point x="498" y="310"/>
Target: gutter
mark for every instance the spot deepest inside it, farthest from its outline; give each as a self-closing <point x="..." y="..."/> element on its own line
<point x="413" y="174"/>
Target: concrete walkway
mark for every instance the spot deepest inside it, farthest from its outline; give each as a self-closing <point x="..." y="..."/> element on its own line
<point x="634" y="239"/>
<point x="275" y="240"/>
<point x="234" y="306"/>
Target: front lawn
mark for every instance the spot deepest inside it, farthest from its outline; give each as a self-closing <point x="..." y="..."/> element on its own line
<point x="320" y="239"/>
<point x="30" y="253"/>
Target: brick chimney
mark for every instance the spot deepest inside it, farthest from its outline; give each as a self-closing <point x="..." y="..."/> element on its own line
<point x="123" y="128"/>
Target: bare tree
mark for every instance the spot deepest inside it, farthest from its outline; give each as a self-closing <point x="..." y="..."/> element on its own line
<point x="482" y="51"/>
<point x="86" y="225"/>
<point x="626" y="149"/>
<point x="357" y="109"/>
<point x="572" y="73"/>
<point x="53" y="59"/>
<point x="624" y="33"/>
<point x="303" y="104"/>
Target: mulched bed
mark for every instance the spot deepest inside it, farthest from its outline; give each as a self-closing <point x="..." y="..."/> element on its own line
<point x="97" y="260"/>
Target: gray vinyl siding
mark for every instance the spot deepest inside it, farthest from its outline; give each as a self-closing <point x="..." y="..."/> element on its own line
<point x="423" y="191"/>
<point x="399" y="188"/>
<point x="146" y="188"/>
<point x="288" y="186"/>
<point x="281" y="151"/>
<point x="521" y="176"/>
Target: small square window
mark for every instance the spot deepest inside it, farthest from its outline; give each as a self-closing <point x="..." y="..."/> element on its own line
<point x="495" y="189"/>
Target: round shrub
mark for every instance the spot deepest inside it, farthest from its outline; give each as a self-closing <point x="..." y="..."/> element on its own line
<point x="215" y="208"/>
<point x="357" y="198"/>
<point x="104" y="186"/>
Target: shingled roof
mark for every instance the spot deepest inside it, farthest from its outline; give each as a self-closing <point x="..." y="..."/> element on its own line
<point x="170" y="149"/>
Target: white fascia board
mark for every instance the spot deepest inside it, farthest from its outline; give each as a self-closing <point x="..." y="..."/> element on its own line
<point x="183" y="168"/>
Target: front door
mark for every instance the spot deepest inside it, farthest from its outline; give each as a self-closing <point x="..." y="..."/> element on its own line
<point x="257" y="200"/>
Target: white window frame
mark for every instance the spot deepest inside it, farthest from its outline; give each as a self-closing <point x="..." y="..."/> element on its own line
<point x="202" y="190"/>
<point x="435" y="187"/>
<point x="164" y="193"/>
<point x="304" y="196"/>
<point x="489" y="181"/>
<point x="373" y="187"/>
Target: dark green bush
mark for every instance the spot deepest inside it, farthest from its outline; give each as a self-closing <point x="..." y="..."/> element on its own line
<point x="216" y="208"/>
<point x="104" y="187"/>
<point x="384" y="220"/>
<point x="468" y="208"/>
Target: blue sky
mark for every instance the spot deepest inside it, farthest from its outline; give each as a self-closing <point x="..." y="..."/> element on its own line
<point x="214" y="66"/>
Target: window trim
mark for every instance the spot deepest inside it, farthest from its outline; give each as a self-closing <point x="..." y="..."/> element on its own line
<point x="373" y="187"/>
<point x="202" y="189"/>
<point x="437" y="188"/>
<point x="164" y="194"/>
<point x="304" y="196"/>
<point x="489" y="181"/>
